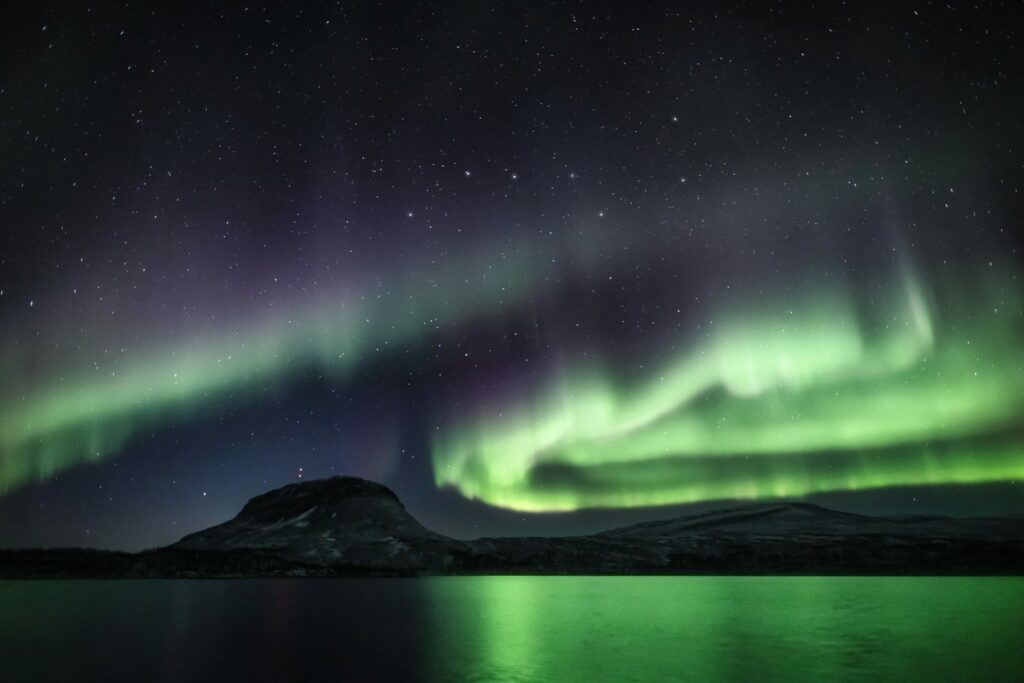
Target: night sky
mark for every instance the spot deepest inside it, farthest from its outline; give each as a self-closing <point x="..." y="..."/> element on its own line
<point x="539" y="267"/>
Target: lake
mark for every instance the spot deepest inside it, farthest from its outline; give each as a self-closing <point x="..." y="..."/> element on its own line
<point x="516" y="628"/>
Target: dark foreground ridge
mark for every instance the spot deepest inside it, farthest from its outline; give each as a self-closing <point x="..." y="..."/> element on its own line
<point x="345" y="526"/>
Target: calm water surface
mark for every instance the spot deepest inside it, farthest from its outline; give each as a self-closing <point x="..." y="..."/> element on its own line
<point x="516" y="629"/>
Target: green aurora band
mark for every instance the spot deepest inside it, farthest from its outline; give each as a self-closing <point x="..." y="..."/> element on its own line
<point x="89" y="416"/>
<point x="819" y="396"/>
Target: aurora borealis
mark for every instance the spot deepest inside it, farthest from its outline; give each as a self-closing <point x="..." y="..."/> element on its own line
<point x="826" y="404"/>
<point x="91" y="416"/>
<point x="527" y="261"/>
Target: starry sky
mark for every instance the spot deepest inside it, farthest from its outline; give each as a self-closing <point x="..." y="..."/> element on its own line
<point x="542" y="268"/>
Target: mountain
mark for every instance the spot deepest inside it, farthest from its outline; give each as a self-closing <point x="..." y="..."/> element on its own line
<point x="330" y="522"/>
<point x="784" y="537"/>
<point x="795" y="520"/>
<point x="771" y="518"/>
<point x="799" y="537"/>
<point x="345" y="526"/>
